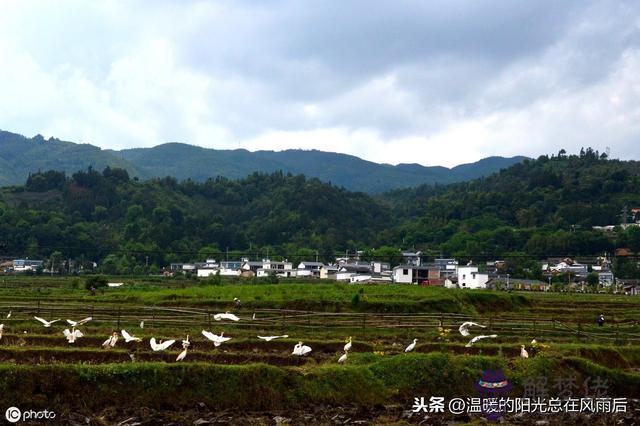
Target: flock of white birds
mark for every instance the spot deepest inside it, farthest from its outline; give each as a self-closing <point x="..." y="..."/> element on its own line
<point x="300" y="349"/>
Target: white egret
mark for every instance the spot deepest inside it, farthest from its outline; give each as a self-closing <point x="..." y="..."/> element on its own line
<point x="132" y="357"/>
<point x="523" y="352"/>
<point x="46" y="323"/>
<point x="301" y="349"/>
<point x="160" y="346"/>
<point x="185" y="345"/>
<point x="464" y="327"/>
<point x="534" y="342"/>
<point x="141" y="324"/>
<point x="475" y="339"/>
<point x="1" y="330"/>
<point x="77" y="323"/>
<point x="182" y="355"/>
<point x="129" y="338"/>
<point x="9" y="315"/>
<point x="343" y="358"/>
<point x="225" y="316"/>
<point x="412" y="346"/>
<point x="217" y="340"/>
<point x="72" y="335"/>
<point x="270" y="338"/>
<point x="254" y="316"/>
<point x="111" y="341"/>
<point x="347" y="347"/>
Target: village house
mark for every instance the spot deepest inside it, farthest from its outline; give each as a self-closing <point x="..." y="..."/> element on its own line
<point x="208" y="268"/>
<point x="24" y="265"/>
<point x="309" y="269"/>
<point x="328" y="272"/>
<point x="281" y="269"/>
<point x="469" y="277"/>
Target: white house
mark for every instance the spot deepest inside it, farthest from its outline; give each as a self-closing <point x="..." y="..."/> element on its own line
<point x="328" y="272"/>
<point x="23" y="265"/>
<point x="469" y="277"/>
<point x="309" y="269"/>
<point x="230" y="268"/>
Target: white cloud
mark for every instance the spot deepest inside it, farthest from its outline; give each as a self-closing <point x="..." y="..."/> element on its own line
<point x="398" y="83"/>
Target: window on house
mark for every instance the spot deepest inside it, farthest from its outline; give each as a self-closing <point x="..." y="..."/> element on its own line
<point x="405" y="272"/>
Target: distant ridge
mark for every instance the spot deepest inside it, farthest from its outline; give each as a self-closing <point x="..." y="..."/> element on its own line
<point x="20" y="156"/>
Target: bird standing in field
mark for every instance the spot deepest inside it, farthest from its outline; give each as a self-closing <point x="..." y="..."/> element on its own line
<point x="72" y="335"/>
<point x="523" y="352"/>
<point x="9" y="315"/>
<point x="1" y="330"/>
<point x="46" y="323"/>
<point x="347" y="347"/>
<point x="77" y="323"/>
<point x="185" y="345"/>
<point x="343" y="358"/>
<point x="475" y="339"/>
<point x="141" y="324"/>
<point x="270" y="338"/>
<point x="161" y="346"/>
<point x="412" y="346"/>
<point x="217" y="340"/>
<point x="111" y="341"/>
<point x="301" y="350"/>
<point x="129" y="338"/>
<point x="464" y="327"/>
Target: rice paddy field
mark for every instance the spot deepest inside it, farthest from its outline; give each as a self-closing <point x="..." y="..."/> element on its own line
<point x="250" y="381"/>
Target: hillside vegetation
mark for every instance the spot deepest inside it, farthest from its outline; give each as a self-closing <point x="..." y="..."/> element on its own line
<point x="539" y="208"/>
<point x="20" y="156"/>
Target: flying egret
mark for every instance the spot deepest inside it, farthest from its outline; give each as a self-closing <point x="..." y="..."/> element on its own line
<point x="270" y="338"/>
<point x="347" y="347"/>
<point x="129" y="338"/>
<point x="72" y="335"/>
<point x="301" y="349"/>
<point x="77" y="323"/>
<point x="475" y="339"/>
<point x="464" y="327"/>
<point x="46" y="323"/>
<point x="225" y="316"/>
<point x="523" y="352"/>
<point x="160" y="346"/>
<point x="217" y="340"/>
<point x="185" y="345"/>
<point x="343" y="358"/>
<point x="111" y="341"/>
<point x="411" y="346"/>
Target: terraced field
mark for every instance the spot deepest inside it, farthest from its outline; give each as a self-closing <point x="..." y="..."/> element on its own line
<point x="255" y="375"/>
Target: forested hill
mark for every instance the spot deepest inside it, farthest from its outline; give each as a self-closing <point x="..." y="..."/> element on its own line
<point x="540" y="208"/>
<point x="20" y="156"/>
<point x="92" y="214"/>
<point x="543" y="207"/>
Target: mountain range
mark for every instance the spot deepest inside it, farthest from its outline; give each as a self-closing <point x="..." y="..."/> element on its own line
<point x="20" y="156"/>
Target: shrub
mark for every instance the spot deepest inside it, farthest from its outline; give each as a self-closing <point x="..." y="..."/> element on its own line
<point x="95" y="281"/>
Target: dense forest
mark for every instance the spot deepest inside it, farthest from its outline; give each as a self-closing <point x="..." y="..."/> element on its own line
<point x="531" y="210"/>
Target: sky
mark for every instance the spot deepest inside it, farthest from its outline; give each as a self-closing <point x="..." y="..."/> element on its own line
<point x="428" y="82"/>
